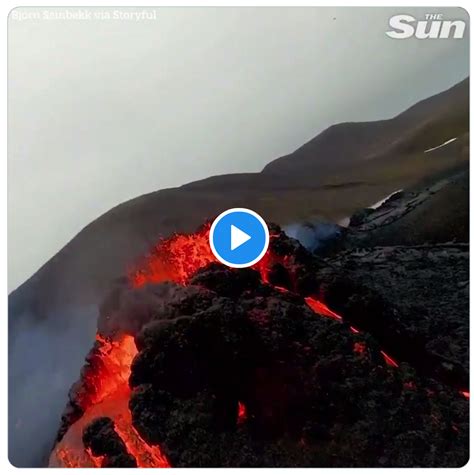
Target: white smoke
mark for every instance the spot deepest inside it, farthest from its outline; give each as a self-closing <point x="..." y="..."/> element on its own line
<point x="45" y="358"/>
<point x="313" y="235"/>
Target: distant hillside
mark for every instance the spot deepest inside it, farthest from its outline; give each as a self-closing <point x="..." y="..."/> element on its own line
<point x="438" y="118"/>
<point x="346" y="167"/>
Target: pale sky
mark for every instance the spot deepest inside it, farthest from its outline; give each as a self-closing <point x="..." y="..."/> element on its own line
<point x="101" y="111"/>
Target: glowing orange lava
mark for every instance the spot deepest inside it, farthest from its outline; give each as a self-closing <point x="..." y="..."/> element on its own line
<point x="360" y="348"/>
<point x="108" y="370"/>
<point x="321" y="308"/>
<point x="175" y="259"/>
<point x="389" y="360"/>
<point x="242" y="413"/>
<point x="105" y="392"/>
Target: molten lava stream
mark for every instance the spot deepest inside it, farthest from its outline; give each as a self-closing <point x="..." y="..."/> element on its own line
<point x="389" y="360"/>
<point x="322" y="309"/>
<point x="242" y="413"/>
<point x="175" y="259"/>
<point x="110" y="396"/>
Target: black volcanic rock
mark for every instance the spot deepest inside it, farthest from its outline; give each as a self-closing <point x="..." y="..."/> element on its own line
<point x="102" y="440"/>
<point x="413" y="300"/>
<point x="359" y="217"/>
<point x="315" y="392"/>
<point x="436" y="212"/>
<point x="225" y="281"/>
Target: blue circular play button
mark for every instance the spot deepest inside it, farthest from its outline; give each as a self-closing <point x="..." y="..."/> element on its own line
<point x="239" y="237"/>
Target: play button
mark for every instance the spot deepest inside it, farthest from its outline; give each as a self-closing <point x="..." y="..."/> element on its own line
<point x="239" y="237"/>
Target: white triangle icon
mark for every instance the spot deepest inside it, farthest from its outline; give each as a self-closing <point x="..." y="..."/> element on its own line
<point x="237" y="237"/>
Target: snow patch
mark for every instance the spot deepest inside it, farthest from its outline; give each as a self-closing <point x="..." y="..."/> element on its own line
<point x="442" y="145"/>
<point x="344" y="222"/>
<point x="383" y="200"/>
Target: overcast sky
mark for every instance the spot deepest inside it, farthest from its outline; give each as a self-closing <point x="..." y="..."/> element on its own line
<point x="101" y="111"/>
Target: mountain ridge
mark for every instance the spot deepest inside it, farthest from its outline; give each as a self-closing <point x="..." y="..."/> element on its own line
<point x="277" y="198"/>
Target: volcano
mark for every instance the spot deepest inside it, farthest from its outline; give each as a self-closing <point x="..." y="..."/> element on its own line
<point x="365" y="346"/>
<point x="199" y="365"/>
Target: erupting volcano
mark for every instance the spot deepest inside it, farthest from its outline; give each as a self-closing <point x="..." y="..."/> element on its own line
<point x="196" y="364"/>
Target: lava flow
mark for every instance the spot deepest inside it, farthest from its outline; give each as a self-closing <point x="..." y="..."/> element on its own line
<point x="105" y="392"/>
<point x="175" y="259"/>
<point x="178" y="258"/>
<point x="104" y="389"/>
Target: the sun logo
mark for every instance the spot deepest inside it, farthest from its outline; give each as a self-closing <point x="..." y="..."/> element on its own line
<point x="433" y="27"/>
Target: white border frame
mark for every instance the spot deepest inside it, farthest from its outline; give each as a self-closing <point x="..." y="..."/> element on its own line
<point x="7" y="6"/>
